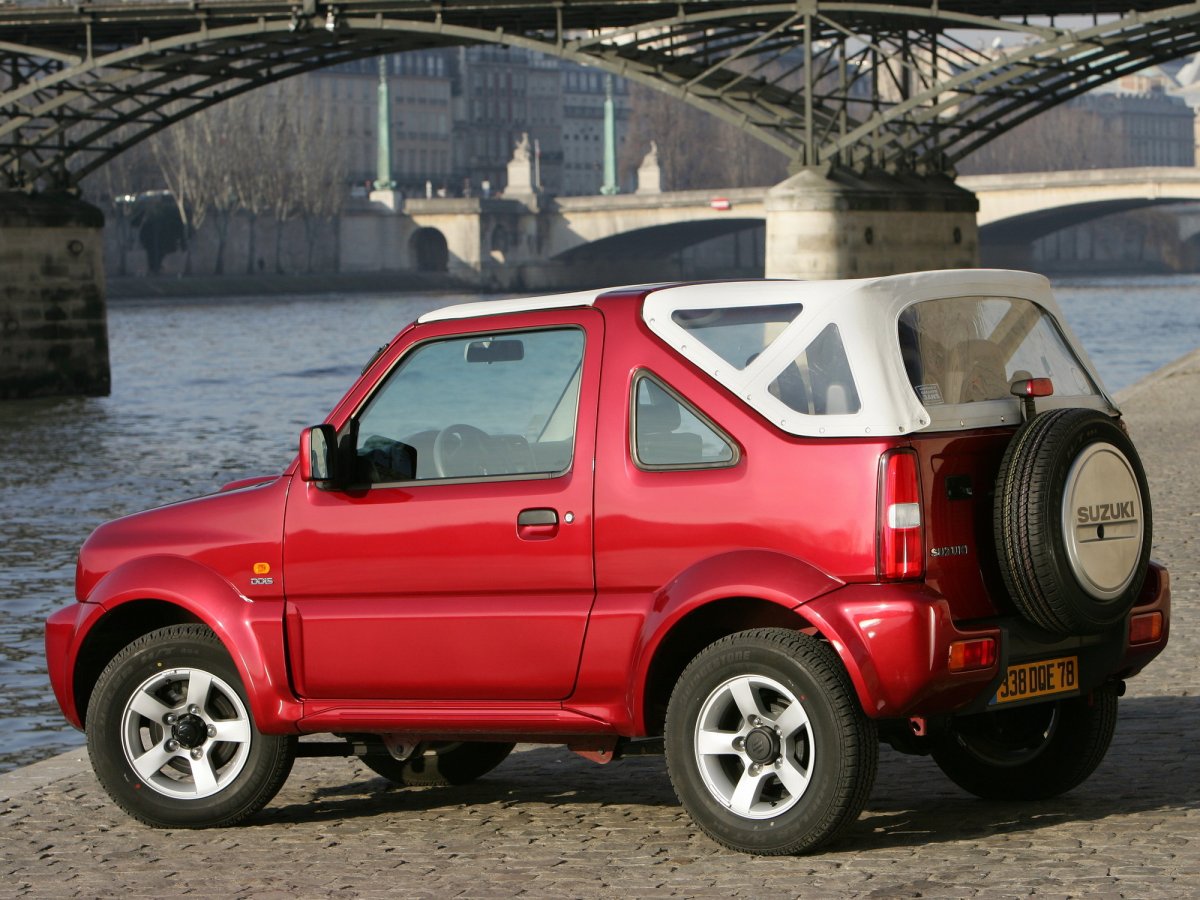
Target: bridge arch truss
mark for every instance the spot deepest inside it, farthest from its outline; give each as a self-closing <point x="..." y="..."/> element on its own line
<point x="899" y="86"/>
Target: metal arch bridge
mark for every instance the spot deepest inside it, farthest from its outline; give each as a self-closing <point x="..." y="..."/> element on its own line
<point x="902" y="85"/>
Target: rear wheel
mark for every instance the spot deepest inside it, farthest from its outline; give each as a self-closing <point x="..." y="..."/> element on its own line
<point x="766" y="745"/>
<point x="441" y="763"/>
<point x="171" y="737"/>
<point x="1029" y="753"/>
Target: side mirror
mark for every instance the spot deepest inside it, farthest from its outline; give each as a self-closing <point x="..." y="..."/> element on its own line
<point x="318" y="454"/>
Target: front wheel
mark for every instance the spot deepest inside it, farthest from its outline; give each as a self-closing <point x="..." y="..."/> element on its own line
<point x="171" y="737"/>
<point x="766" y="745"/>
<point x="1029" y="753"/>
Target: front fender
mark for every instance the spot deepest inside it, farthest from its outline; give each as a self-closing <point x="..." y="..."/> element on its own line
<point x="250" y="630"/>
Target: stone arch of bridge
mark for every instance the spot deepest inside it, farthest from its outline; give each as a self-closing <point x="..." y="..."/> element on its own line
<point x="428" y="250"/>
<point x="657" y="241"/>
<point x="1028" y="227"/>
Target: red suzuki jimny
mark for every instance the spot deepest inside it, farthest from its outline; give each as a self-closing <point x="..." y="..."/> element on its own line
<point x="759" y="525"/>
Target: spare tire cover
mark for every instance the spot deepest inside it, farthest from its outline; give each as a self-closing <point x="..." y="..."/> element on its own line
<point x="1072" y="521"/>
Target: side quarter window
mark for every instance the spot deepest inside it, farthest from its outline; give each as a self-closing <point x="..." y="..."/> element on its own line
<point x="480" y="406"/>
<point x="669" y="433"/>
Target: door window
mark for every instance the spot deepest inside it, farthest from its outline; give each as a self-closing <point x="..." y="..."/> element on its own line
<point x="475" y="407"/>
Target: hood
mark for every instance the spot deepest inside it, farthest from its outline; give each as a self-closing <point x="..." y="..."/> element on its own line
<point x="229" y="532"/>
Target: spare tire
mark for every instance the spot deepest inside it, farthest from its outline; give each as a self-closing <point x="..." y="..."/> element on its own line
<point x="1072" y="521"/>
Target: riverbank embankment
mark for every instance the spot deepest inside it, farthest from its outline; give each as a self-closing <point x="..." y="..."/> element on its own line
<point x="271" y="285"/>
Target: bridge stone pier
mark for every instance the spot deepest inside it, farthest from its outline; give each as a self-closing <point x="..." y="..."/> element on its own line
<point x="53" y="333"/>
<point x="842" y="225"/>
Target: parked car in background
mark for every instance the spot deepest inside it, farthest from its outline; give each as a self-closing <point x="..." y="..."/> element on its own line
<point x="761" y="526"/>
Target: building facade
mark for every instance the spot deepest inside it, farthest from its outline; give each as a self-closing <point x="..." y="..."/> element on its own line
<point x="457" y="114"/>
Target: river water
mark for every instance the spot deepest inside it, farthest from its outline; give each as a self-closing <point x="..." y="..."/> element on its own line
<point x="209" y="390"/>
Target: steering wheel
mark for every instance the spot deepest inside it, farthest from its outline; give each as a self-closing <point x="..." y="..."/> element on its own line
<point x="460" y="450"/>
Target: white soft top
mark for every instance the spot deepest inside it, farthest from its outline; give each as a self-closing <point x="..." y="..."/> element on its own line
<point x="866" y="312"/>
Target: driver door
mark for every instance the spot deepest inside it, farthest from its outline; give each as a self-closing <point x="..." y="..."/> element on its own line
<point x="469" y="575"/>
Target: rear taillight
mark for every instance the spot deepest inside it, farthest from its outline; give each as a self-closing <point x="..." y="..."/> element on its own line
<point x="900" y="545"/>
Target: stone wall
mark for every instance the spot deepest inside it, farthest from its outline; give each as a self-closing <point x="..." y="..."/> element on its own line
<point x="53" y="331"/>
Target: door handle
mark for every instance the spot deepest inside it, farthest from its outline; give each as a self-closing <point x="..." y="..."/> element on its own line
<point x="532" y="517"/>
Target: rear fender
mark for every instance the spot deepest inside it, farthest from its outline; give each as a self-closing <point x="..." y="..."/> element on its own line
<point x="250" y="630"/>
<point x="753" y="576"/>
<point x="893" y="640"/>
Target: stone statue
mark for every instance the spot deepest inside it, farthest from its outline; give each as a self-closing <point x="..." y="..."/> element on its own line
<point x="649" y="176"/>
<point x="521" y="151"/>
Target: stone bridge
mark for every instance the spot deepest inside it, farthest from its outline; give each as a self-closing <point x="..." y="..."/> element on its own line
<point x="545" y="243"/>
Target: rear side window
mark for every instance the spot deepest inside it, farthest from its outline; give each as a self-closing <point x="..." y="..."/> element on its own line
<point x="971" y="349"/>
<point x="818" y="382"/>
<point x="669" y="434"/>
<point x="737" y="334"/>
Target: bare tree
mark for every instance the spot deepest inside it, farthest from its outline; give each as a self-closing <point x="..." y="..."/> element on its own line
<point x="1065" y="137"/>
<point x="320" y="170"/>
<point x="183" y="160"/>
<point x="222" y="159"/>
<point x="262" y="184"/>
<point x="115" y="187"/>
<point x="695" y="149"/>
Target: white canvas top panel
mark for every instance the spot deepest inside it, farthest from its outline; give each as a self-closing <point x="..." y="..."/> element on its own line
<point x="866" y="313"/>
<point x="514" y="305"/>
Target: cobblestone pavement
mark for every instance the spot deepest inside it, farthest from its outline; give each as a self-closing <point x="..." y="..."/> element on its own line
<point x="547" y="823"/>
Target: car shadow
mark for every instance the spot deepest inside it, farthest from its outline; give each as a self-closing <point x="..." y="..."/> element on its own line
<point x="1150" y="767"/>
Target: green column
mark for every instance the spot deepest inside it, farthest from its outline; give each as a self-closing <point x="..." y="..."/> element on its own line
<point x="610" y="140"/>
<point x="383" y="152"/>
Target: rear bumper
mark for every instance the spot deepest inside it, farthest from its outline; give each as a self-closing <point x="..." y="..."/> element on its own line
<point x="1102" y="657"/>
<point x="895" y="639"/>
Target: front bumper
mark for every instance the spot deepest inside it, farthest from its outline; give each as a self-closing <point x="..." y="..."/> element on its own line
<point x="64" y="630"/>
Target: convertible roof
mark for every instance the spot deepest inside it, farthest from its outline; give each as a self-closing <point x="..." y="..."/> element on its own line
<point x="866" y="312"/>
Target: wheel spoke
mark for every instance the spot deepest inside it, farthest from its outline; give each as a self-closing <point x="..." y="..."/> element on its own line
<point x="148" y="764"/>
<point x="235" y="731"/>
<point x="203" y="776"/>
<point x="715" y="743"/>
<point x="149" y="706"/>
<point x="793" y="777"/>
<point x="793" y="719"/>
<point x="199" y="683"/>
<point x="742" y="691"/>
<point x="745" y="795"/>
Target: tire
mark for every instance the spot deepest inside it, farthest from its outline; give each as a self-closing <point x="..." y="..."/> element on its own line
<point x="767" y="747"/>
<point x="1029" y="753"/>
<point x="171" y="736"/>
<point x="1072" y="522"/>
<point x="440" y="763"/>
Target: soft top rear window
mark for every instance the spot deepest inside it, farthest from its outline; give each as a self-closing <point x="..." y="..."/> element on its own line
<point x="970" y="349"/>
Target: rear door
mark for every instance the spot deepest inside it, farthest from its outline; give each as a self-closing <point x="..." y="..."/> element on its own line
<point x="471" y="577"/>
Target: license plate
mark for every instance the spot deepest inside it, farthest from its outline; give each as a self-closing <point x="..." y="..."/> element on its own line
<point x="1039" y="679"/>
